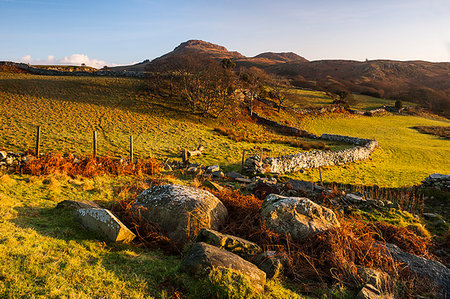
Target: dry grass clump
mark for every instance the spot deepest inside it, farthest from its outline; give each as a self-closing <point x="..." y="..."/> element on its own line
<point x="326" y="257"/>
<point x="88" y="166"/>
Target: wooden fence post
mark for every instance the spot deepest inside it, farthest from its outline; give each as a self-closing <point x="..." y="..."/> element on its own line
<point x="243" y="160"/>
<point x="38" y="141"/>
<point x="184" y="156"/>
<point x="131" y="149"/>
<point x="94" y="144"/>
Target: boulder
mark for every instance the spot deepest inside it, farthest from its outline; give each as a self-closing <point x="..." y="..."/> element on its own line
<point x="371" y="292"/>
<point x="271" y="262"/>
<point x="234" y="175"/>
<point x="236" y="245"/>
<point x="434" y="271"/>
<point x="297" y="216"/>
<point x="76" y="204"/>
<point x="181" y="211"/>
<point x="376" y="278"/>
<point x="212" y="168"/>
<point x="202" y="258"/>
<point x="105" y="223"/>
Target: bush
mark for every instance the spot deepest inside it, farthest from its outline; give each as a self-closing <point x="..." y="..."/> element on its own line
<point x="398" y="104"/>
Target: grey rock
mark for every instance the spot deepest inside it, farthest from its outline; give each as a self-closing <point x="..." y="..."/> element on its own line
<point x="181" y="211"/>
<point x="234" y="175"/>
<point x="371" y="292"/>
<point x="218" y="174"/>
<point x="212" y="168"/>
<point x="105" y="223"/>
<point x="236" y="245"/>
<point x="271" y="262"/>
<point x="297" y="216"/>
<point x="376" y="278"/>
<point x="243" y="180"/>
<point x="354" y="197"/>
<point x="437" y="273"/>
<point x="202" y="258"/>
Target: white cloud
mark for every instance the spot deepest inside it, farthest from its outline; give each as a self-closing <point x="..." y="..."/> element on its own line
<point x="74" y="59"/>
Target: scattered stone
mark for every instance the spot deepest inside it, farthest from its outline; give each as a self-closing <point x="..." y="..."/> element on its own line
<point x="212" y="185"/>
<point x="371" y="292"/>
<point x="437" y="273"/>
<point x="297" y="216"/>
<point x="236" y="245"/>
<point x="353" y="197"/>
<point x="202" y="258"/>
<point x="76" y="204"/>
<point x="234" y="175"/>
<point x="437" y="181"/>
<point x="212" y="168"/>
<point x="181" y="211"/>
<point x="271" y="263"/>
<point x="243" y="180"/>
<point x="218" y="174"/>
<point x="104" y="222"/>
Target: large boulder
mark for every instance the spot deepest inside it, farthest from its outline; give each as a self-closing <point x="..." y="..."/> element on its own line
<point x="181" y="211"/>
<point x="297" y="216"/>
<point x="202" y="258"/>
<point x="236" y="245"/>
<point x="104" y="222"/>
<point x="434" y="271"/>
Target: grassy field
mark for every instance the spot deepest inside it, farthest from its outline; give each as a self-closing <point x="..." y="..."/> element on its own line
<point x="70" y="108"/>
<point x="405" y="156"/>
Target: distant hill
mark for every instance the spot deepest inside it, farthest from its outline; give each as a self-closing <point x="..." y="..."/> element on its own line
<point x="423" y="82"/>
<point x="282" y="57"/>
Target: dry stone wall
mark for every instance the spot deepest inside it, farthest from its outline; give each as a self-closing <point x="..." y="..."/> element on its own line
<point x="311" y="159"/>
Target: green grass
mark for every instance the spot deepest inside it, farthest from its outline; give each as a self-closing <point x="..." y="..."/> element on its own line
<point x="70" y="108"/>
<point x="45" y="253"/>
<point x="405" y="156"/>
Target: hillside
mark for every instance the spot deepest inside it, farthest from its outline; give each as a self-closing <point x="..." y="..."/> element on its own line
<point x="422" y="82"/>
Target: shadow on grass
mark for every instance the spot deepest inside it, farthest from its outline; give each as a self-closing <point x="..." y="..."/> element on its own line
<point x="149" y="272"/>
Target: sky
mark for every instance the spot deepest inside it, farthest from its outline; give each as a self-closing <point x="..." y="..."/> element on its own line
<point x="113" y="32"/>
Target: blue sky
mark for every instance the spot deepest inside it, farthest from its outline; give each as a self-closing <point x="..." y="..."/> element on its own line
<point x="100" y="32"/>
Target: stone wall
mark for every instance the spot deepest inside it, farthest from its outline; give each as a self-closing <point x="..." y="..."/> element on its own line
<point x="311" y="159"/>
<point x="37" y="71"/>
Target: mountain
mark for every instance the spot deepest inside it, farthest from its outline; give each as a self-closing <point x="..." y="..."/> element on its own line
<point x="282" y="57"/>
<point x="423" y="82"/>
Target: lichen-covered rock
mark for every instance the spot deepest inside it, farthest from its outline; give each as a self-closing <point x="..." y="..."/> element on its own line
<point x="371" y="292"/>
<point x="202" y="258"/>
<point x="434" y="271"/>
<point x="376" y="278"/>
<point x="105" y="223"/>
<point x="437" y="181"/>
<point x="271" y="262"/>
<point x="181" y="211"/>
<point x="297" y="216"/>
<point x="236" y="245"/>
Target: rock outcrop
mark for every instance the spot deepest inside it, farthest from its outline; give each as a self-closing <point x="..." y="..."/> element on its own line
<point x="202" y="258"/>
<point x="236" y="245"/>
<point x="181" y="211"/>
<point x="437" y="181"/>
<point x="104" y="222"/>
<point x="434" y="271"/>
<point x="297" y="216"/>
